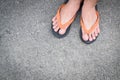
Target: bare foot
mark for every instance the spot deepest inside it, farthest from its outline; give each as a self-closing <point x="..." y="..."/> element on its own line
<point x="89" y="17"/>
<point x="67" y="12"/>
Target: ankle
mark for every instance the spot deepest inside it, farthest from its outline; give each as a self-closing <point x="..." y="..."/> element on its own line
<point x="87" y="8"/>
<point x="74" y="3"/>
<point x="77" y="2"/>
<point x="73" y="7"/>
<point x="88" y="5"/>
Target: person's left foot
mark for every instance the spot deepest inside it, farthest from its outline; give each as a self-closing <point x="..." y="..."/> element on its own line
<point x="89" y="18"/>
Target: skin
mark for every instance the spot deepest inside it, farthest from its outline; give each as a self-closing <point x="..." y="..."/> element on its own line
<point x="88" y="14"/>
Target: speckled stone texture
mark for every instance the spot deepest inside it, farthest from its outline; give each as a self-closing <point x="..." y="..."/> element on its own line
<point x="29" y="51"/>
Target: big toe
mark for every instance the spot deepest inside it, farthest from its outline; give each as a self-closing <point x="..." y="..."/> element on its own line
<point x="62" y="31"/>
<point x="85" y="37"/>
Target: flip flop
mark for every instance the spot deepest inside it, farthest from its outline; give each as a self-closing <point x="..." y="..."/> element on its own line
<point x="91" y="29"/>
<point x="62" y="26"/>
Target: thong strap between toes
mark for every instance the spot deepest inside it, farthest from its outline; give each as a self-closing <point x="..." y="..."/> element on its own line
<point x="92" y="27"/>
<point x="63" y="26"/>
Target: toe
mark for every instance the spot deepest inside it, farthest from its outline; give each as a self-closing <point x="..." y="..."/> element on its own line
<point x="98" y="30"/>
<point x="90" y="37"/>
<point x="62" y="31"/>
<point x="93" y="36"/>
<point x="54" y="18"/>
<point x="55" y="26"/>
<point x="85" y="37"/>
<point x="54" y="22"/>
<point x="56" y="29"/>
<point x="96" y="33"/>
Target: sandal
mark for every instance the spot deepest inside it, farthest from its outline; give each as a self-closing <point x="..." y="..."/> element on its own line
<point x="62" y="26"/>
<point x="90" y="30"/>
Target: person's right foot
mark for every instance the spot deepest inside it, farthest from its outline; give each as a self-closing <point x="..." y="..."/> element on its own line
<point x="67" y="12"/>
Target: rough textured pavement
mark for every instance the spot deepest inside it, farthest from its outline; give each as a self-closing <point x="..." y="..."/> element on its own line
<point x="29" y="51"/>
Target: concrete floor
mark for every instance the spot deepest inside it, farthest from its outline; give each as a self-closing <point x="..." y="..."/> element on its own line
<point x="29" y="51"/>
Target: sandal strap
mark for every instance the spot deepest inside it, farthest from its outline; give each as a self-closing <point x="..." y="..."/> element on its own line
<point x="63" y="26"/>
<point x="92" y="27"/>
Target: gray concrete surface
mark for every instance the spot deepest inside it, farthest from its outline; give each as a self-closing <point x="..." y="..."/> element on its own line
<point x="29" y="51"/>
